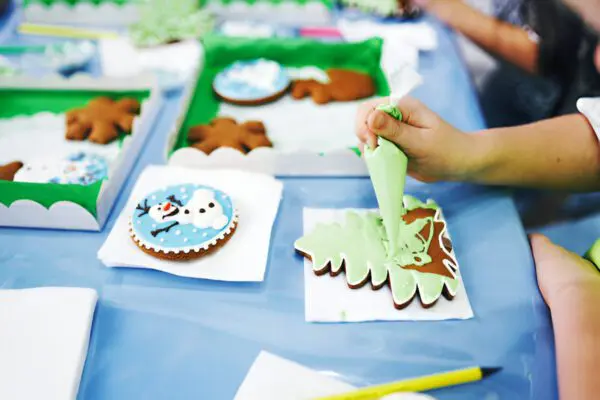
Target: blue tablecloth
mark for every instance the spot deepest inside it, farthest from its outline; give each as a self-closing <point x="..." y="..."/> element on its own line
<point x="157" y="336"/>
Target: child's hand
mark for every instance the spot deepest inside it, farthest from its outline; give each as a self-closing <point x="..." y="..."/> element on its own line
<point x="563" y="276"/>
<point x="435" y="149"/>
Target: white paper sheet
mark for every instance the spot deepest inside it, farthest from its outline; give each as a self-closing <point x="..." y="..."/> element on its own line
<point x="294" y="125"/>
<point x="275" y="378"/>
<point x="28" y="139"/>
<point x="242" y="258"/>
<point x="328" y="299"/>
<point x="590" y="107"/>
<point x="44" y="335"/>
<point x="401" y="42"/>
<point x="174" y="63"/>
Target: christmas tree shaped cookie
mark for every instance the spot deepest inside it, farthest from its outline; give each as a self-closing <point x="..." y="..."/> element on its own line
<point x="405" y="246"/>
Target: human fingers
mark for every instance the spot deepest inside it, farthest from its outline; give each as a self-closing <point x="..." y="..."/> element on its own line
<point x="558" y="270"/>
<point x="381" y="124"/>
<point x="362" y="132"/>
<point x="417" y="114"/>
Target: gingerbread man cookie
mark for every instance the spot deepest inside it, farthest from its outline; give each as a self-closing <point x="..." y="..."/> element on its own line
<point x="344" y="85"/>
<point x="226" y="132"/>
<point x="8" y="171"/>
<point x="102" y="119"/>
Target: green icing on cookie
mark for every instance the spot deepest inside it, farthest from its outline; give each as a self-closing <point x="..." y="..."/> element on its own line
<point x="360" y="247"/>
<point x="386" y="248"/>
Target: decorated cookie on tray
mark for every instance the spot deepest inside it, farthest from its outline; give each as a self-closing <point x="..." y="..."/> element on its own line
<point x="102" y="119"/>
<point x="252" y="82"/>
<point x="227" y="132"/>
<point x="340" y="85"/>
<point x="79" y="168"/>
<point x="183" y="222"/>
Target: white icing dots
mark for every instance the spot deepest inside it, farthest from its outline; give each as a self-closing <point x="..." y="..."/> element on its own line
<point x="154" y="225"/>
<point x="178" y="232"/>
<point x="185" y="240"/>
<point x="153" y="197"/>
<point x="184" y="196"/>
<point x="195" y="230"/>
<point x="162" y="240"/>
<point x="139" y="222"/>
<point x="182" y="190"/>
<point x="204" y="234"/>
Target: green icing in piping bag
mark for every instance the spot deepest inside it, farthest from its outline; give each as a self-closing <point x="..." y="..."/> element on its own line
<point x="387" y="166"/>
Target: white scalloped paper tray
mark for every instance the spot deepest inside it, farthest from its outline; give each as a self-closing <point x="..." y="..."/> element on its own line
<point x="68" y="215"/>
<point x="284" y="13"/>
<point x="344" y="162"/>
<point x="105" y="14"/>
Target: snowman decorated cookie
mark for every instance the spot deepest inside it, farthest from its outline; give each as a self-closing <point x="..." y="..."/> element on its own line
<point x="183" y="222"/>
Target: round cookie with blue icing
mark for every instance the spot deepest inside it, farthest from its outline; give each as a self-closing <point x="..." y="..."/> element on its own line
<point x="183" y="222"/>
<point x="252" y="82"/>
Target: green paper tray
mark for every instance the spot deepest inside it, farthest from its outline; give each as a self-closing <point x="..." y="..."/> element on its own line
<point x="223" y="51"/>
<point x="14" y="102"/>
<point x="75" y="2"/>
<point x="328" y="3"/>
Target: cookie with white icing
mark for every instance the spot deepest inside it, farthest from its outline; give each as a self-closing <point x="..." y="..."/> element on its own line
<point x="183" y="222"/>
<point x="76" y="169"/>
<point x="252" y="82"/>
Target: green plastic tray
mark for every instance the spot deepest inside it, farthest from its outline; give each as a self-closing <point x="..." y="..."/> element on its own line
<point x="24" y="101"/>
<point x="223" y="51"/>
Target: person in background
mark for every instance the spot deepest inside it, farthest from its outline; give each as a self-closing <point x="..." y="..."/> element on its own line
<point x="559" y="153"/>
<point x="544" y="52"/>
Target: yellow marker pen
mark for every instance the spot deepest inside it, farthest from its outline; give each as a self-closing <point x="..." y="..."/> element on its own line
<point x="422" y="384"/>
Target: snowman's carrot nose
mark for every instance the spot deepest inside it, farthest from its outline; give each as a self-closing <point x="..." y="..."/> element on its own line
<point x="167" y="207"/>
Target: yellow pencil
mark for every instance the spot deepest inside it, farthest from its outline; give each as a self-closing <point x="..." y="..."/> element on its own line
<point x="65" y="31"/>
<point x="422" y="384"/>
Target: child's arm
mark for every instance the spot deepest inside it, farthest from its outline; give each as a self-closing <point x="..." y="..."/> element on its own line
<point x="507" y="41"/>
<point x="560" y="153"/>
<point x="571" y="288"/>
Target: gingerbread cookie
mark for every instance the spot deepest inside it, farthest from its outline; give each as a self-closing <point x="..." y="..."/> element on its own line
<point x="251" y="82"/>
<point x="8" y="171"/>
<point x="226" y="132"/>
<point x="102" y="119"/>
<point x="423" y="266"/>
<point x="183" y="222"/>
<point x="344" y="85"/>
<point x="78" y="168"/>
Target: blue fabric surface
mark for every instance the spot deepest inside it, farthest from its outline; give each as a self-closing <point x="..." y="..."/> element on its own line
<point x="158" y="336"/>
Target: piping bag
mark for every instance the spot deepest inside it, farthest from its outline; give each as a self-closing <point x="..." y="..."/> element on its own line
<point x="387" y="163"/>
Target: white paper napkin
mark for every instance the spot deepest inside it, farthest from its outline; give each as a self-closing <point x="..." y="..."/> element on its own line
<point x="44" y="335"/>
<point x="590" y="107"/>
<point x="328" y="299"/>
<point x="242" y="258"/>
<point x="275" y="378"/>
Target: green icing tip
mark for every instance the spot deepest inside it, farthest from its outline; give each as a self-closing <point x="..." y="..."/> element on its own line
<point x="593" y="254"/>
<point x="391" y="110"/>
